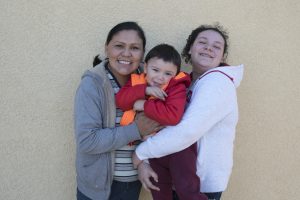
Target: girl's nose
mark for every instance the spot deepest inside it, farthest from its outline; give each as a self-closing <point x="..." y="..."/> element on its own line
<point x="208" y="48"/>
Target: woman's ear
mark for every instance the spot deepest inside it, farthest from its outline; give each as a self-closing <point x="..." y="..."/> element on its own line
<point x="105" y="51"/>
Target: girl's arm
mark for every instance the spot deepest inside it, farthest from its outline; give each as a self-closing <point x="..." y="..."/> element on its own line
<point x="212" y="99"/>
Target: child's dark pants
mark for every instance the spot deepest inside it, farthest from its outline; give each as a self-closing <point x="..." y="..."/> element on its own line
<point x="178" y="170"/>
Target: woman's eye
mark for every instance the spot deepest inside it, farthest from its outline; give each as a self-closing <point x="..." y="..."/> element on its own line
<point x="118" y="46"/>
<point x="135" y="48"/>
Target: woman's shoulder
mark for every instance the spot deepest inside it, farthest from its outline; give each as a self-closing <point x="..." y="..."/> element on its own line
<point x="97" y="73"/>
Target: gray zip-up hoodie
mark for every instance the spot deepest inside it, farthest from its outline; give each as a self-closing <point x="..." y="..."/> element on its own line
<point x="96" y="134"/>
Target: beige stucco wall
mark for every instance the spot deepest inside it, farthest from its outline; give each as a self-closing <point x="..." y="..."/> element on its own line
<point x="46" y="45"/>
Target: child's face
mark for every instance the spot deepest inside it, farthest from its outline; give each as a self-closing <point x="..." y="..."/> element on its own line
<point x="159" y="72"/>
<point x="207" y="50"/>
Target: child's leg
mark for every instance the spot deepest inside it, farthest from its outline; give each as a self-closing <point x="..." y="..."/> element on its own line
<point x="183" y="171"/>
<point x="160" y="166"/>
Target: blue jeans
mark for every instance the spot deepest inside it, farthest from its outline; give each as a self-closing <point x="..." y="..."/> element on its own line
<point x="125" y="190"/>
<point x="119" y="191"/>
<point x="211" y="196"/>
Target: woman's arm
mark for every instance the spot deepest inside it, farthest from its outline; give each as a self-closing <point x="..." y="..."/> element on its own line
<point x="91" y="136"/>
<point x="211" y="101"/>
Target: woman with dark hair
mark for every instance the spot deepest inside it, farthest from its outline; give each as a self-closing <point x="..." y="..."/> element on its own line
<point x="103" y="158"/>
<point x="210" y="118"/>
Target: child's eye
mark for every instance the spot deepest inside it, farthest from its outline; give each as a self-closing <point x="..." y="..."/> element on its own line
<point x="217" y="47"/>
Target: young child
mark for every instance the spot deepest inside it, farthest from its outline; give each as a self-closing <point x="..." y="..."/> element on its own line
<point x="161" y="93"/>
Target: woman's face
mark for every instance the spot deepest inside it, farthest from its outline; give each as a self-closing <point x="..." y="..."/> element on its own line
<point x="207" y="51"/>
<point x="125" y="52"/>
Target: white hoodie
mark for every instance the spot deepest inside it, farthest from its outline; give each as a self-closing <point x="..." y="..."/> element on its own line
<point x="210" y="119"/>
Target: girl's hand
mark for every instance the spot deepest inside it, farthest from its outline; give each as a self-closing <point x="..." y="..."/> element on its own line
<point x="156" y="92"/>
<point x="146" y="173"/>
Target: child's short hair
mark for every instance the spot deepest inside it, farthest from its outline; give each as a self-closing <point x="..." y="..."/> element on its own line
<point x="165" y="52"/>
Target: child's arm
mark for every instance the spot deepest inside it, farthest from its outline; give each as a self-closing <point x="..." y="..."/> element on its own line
<point x="150" y="91"/>
<point x="128" y="94"/>
<point x="139" y="105"/>
<point x="170" y="111"/>
<point x="156" y="92"/>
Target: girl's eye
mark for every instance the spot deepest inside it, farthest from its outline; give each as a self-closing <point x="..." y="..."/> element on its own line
<point x="169" y="74"/>
<point x="202" y="42"/>
<point x="156" y="70"/>
<point x="217" y="47"/>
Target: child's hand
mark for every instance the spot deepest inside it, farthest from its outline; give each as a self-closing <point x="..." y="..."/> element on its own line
<point x="156" y="92"/>
<point x="139" y="105"/>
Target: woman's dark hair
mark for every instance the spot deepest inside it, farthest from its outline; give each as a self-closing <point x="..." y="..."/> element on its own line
<point x="165" y="52"/>
<point x="192" y="37"/>
<point x="121" y="27"/>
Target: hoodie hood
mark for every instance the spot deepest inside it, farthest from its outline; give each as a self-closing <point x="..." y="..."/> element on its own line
<point x="97" y="73"/>
<point x="234" y="72"/>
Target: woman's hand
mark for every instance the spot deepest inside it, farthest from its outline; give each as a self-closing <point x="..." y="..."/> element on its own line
<point x="146" y="125"/>
<point x="145" y="174"/>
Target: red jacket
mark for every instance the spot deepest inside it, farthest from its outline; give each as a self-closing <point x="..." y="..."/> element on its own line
<point x="168" y="112"/>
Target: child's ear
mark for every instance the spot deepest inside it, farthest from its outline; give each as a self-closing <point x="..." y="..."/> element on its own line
<point x="145" y="68"/>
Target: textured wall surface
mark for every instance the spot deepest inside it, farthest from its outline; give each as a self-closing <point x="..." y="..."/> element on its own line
<point x="46" y="46"/>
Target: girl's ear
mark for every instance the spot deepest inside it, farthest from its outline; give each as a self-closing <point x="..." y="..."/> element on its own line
<point x="223" y="60"/>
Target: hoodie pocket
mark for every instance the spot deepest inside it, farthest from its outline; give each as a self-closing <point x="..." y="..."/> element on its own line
<point x="97" y="174"/>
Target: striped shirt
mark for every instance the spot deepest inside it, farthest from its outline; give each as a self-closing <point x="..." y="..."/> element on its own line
<point x="123" y="170"/>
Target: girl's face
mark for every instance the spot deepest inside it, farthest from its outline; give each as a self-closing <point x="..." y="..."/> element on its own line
<point x="124" y="52"/>
<point x="207" y="51"/>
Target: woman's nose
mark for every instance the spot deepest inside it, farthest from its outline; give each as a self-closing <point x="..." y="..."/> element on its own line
<point x="126" y="52"/>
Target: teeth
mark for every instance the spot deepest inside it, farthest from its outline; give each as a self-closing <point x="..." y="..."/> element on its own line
<point x="124" y="62"/>
<point x="205" y="55"/>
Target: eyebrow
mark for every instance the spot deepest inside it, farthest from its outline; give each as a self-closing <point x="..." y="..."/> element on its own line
<point x="214" y="41"/>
